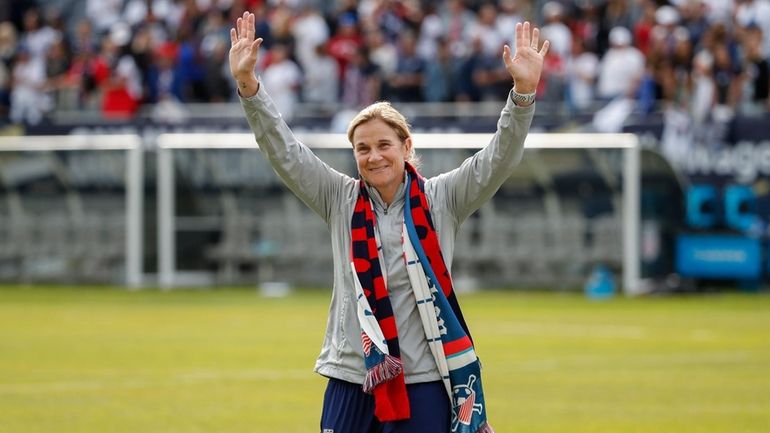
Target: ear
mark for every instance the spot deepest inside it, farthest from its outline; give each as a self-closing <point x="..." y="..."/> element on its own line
<point x="408" y="145"/>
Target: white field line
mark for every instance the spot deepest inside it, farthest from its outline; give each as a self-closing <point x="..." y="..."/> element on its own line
<point x="185" y="378"/>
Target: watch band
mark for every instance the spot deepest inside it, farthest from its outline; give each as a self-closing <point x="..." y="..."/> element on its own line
<point x="523" y="98"/>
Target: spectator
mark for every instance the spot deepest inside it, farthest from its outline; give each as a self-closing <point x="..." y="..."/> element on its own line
<point x="28" y="101"/>
<point x="362" y="82"/>
<point x="728" y="78"/>
<point x="83" y="41"/>
<point x="581" y="71"/>
<point x="755" y="12"/>
<point x="57" y="66"/>
<point x="103" y="13"/>
<point x="612" y="13"/>
<point x="456" y="18"/>
<point x="467" y="87"/>
<point x="280" y="19"/>
<point x="757" y="71"/>
<point x="345" y="42"/>
<point x="383" y="53"/>
<point x="662" y="38"/>
<point x="719" y="11"/>
<point x="431" y="30"/>
<point x="507" y="18"/>
<point x="552" y="86"/>
<point x="644" y="25"/>
<point x="320" y="84"/>
<point x="440" y="74"/>
<point x="122" y="88"/>
<point x="163" y="83"/>
<point x="37" y="38"/>
<point x="189" y="69"/>
<point x="694" y="19"/>
<point x="310" y="31"/>
<point x="485" y="29"/>
<point x="284" y="79"/>
<point x="621" y="68"/>
<point x="702" y="96"/>
<point x="8" y="42"/>
<point x="556" y="31"/>
<point x="405" y="85"/>
<point x="726" y="69"/>
<point x="217" y="72"/>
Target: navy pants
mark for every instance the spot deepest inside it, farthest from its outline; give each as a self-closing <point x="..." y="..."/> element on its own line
<point x="347" y="409"/>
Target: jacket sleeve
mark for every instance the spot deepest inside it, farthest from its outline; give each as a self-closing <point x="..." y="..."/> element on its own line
<point x="312" y="180"/>
<point x="476" y="180"/>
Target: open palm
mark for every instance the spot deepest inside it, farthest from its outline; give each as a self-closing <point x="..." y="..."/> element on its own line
<point x="526" y="64"/>
<point x="244" y="48"/>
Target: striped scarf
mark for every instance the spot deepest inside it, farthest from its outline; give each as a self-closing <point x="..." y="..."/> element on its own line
<point x="445" y="329"/>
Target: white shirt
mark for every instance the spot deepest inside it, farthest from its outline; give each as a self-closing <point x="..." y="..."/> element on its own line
<point x="309" y="31"/>
<point x="560" y="37"/>
<point x="283" y="79"/>
<point x="620" y="70"/>
<point x="756" y="12"/>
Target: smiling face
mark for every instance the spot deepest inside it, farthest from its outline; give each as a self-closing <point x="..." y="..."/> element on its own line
<point x="380" y="156"/>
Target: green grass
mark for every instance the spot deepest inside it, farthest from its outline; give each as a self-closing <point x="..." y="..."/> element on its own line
<point x="111" y="361"/>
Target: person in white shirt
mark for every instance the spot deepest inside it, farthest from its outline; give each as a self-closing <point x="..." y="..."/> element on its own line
<point x="284" y="79"/>
<point x="316" y="86"/>
<point x="28" y="100"/>
<point x="582" y="69"/>
<point x="309" y="30"/>
<point x="621" y="68"/>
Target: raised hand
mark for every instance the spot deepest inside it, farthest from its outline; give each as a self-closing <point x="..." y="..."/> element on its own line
<point x="243" y="54"/>
<point x="526" y="64"/>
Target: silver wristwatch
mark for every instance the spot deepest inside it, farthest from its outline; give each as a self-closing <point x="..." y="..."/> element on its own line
<point x="523" y="99"/>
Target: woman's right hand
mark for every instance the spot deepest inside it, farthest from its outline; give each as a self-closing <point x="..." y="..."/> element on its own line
<point x="243" y="55"/>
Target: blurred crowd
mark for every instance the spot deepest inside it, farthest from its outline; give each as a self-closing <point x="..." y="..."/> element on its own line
<point x="708" y="57"/>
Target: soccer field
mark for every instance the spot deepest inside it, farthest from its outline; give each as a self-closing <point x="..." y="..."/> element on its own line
<point x="230" y="361"/>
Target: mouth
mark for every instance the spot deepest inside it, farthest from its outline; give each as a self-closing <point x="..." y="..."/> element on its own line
<point x="378" y="169"/>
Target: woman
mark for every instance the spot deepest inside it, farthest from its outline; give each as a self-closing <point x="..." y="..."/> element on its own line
<point x="397" y="352"/>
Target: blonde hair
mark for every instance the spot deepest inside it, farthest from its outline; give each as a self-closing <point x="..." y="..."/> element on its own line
<point x="397" y="122"/>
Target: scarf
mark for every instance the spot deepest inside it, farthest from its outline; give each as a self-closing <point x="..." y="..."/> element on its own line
<point x="445" y="328"/>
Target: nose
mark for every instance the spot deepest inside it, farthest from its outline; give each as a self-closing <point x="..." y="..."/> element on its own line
<point x="374" y="155"/>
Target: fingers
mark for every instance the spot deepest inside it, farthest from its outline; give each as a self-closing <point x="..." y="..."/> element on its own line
<point x="250" y="31"/>
<point x="525" y="36"/>
<point x="507" y="56"/>
<point x="544" y="50"/>
<point x="519" y="37"/>
<point x="535" y="38"/>
<point x="255" y="45"/>
<point x="244" y="28"/>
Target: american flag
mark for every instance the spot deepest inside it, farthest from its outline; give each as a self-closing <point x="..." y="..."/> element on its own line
<point x="466" y="409"/>
<point x="367" y="342"/>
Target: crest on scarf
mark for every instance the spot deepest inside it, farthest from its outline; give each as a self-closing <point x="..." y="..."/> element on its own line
<point x="464" y="403"/>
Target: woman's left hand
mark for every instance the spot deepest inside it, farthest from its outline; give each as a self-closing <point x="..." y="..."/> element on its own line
<point x="526" y="64"/>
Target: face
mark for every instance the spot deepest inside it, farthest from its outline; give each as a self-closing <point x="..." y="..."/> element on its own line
<point x="380" y="156"/>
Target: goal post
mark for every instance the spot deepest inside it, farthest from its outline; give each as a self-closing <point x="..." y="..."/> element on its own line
<point x="72" y="163"/>
<point x="589" y="146"/>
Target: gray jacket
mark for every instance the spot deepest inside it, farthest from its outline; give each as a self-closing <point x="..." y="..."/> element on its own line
<point x="452" y="196"/>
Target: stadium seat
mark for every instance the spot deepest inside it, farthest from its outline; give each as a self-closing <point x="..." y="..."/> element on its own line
<point x="701" y="210"/>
